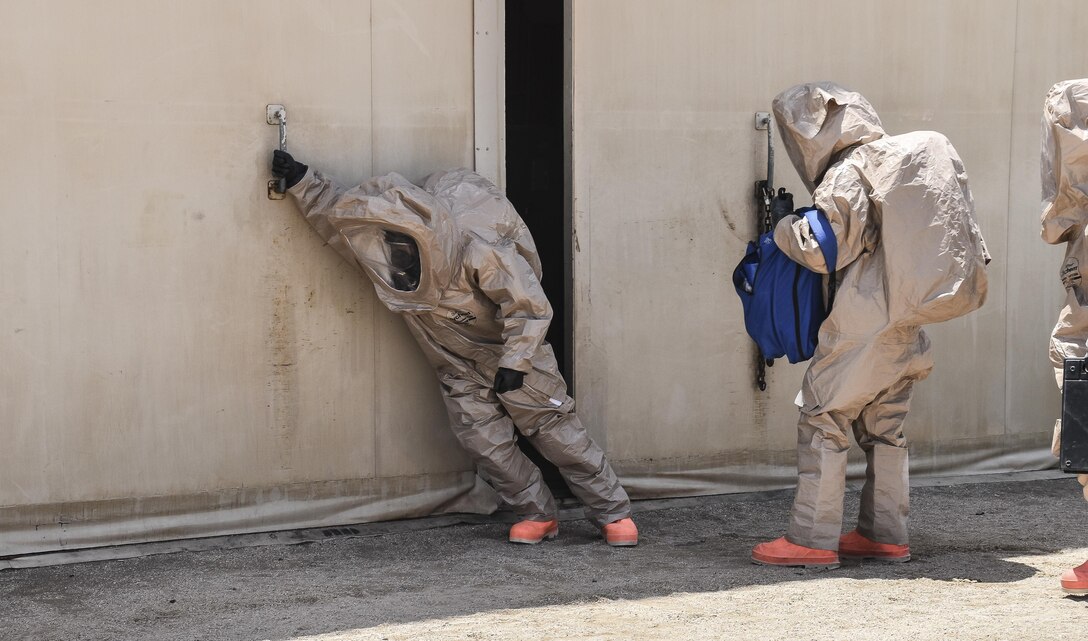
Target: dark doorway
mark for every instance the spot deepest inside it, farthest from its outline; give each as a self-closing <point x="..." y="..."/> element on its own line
<point x="534" y="160"/>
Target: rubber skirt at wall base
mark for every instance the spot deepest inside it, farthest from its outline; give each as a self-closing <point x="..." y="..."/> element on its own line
<point x="33" y="529"/>
<point x="741" y="471"/>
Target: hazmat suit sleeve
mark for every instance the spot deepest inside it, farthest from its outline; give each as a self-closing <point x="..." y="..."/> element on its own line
<point x="317" y="197"/>
<point x="508" y="281"/>
<point x="843" y="198"/>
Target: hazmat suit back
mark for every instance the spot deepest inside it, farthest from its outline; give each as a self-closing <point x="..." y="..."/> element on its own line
<point x="1064" y="169"/>
<point x="457" y="262"/>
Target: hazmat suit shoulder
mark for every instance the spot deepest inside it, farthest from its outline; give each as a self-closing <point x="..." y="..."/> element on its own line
<point x="482" y="211"/>
<point x="1064" y="162"/>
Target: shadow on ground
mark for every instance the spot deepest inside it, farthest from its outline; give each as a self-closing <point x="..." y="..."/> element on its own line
<point x="963" y="533"/>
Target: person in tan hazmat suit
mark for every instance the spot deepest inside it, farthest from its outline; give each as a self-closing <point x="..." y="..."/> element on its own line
<point x="909" y="253"/>
<point x="458" y="264"/>
<point x="1065" y="220"/>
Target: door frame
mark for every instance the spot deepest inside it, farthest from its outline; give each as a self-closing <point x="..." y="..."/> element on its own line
<point x="489" y="89"/>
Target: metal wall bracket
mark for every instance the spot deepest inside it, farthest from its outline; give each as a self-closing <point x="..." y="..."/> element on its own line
<point x="272" y="114"/>
<point x="763" y="120"/>
<point x="277" y="115"/>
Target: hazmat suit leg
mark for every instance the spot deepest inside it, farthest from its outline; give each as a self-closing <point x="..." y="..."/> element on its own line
<point x="885" y="497"/>
<point x="557" y="433"/>
<point x="486" y="432"/>
<point x="1068" y="339"/>
<point x="545" y="414"/>
<point x="822" y="446"/>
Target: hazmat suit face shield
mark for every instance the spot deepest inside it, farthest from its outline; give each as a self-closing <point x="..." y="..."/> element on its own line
<point x="820" y="120"/>
<point x="1065" y="160"/>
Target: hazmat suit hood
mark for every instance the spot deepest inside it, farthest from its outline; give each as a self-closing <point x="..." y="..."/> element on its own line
<point x="404" y="238"/>
<point x="1065" y="160"/>
<point x="818" y="121"/>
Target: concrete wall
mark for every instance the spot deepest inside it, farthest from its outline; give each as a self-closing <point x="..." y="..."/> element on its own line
<point x="181" y="356"/>
<point x="665" y="156"/>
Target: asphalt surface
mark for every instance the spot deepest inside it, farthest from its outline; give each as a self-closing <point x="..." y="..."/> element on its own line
<point x="987" y="557"/>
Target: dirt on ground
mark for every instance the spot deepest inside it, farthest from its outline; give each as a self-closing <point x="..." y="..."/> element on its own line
<point x="987" y="557"/>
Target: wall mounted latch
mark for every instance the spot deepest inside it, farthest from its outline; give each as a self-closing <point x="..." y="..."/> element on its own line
<point x="277" y="115"/>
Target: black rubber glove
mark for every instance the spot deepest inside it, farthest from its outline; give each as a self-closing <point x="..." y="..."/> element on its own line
<point x="781" y="205"/>
<point x="284" y="166"/>
<point x="508" y="380"/>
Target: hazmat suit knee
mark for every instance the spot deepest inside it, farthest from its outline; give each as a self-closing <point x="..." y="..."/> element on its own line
<point x="910" y="253"/>
<point x="457" y="263"/>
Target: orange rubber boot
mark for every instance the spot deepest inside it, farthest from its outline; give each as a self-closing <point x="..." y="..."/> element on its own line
<point x="782" y="552"/>
<point x="855" y="546"/>
<point x="621" y="533"/>
<point x="533" y="532"/>
<point x="1075" y="581"/>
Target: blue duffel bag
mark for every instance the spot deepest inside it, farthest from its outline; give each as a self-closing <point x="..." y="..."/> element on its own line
<point x="783" y="300"/>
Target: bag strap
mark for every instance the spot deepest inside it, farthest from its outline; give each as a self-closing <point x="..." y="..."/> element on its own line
<point x="825" y="238"/>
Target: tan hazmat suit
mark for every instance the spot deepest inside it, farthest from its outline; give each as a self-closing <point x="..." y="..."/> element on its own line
<point x="473" y="302"/>
<point x="1065" y="218"/>
<point x="909" y="253"/>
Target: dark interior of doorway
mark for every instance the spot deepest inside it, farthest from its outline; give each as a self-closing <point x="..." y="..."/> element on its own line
<point x="534" y="160"/>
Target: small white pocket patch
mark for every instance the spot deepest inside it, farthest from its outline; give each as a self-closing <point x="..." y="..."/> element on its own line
<point x="555" y="402"/>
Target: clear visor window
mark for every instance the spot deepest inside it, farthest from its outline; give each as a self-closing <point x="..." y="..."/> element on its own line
<point x="403" y="261"/>
<point x="391" y="256"/>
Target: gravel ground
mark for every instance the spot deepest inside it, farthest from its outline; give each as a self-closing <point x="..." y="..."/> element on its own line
<point x="986" y="563"/>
